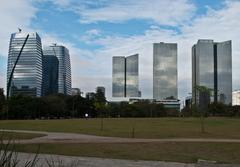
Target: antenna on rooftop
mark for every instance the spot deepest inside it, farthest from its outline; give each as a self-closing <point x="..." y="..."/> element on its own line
<point x="19" y="30"/>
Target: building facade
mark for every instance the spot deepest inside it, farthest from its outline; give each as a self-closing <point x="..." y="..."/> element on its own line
<point x="118" y="77"/>
<point x="50" y="73"/>
<point x="64" y="67"/>
<point x="24" y="71"/>
<point x="102" y="89"/>
<point x="236" y="98"/>
<point x="90" y="95"/>
<point x="125" y="76"/>
<point x="212" y="68"/>
<point x="76" y="92"/>
<point x="132" y="76"/>
<point x="165" y="71"/>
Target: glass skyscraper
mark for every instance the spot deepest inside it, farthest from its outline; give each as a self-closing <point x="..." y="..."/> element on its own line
<point x="125" y="76"/>
<point x="165" y="71"/>
<point x="50" y="73"/>
<point x="64" y="67"/>
<point x="26" y="77"/>
<point x="212" y="68"/>
<point x="118" y="77"/>
<point x="132" y="76"/>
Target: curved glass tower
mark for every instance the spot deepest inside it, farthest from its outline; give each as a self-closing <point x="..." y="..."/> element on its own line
<point x="64" y="67"/>
<point x="27" y="76"/>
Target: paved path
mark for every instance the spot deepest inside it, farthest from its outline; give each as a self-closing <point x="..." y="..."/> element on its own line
<point x="54" y="137"/>
<point x="67" y="161"/>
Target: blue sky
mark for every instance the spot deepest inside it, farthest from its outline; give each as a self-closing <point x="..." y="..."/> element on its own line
<point x="96" y="30"/>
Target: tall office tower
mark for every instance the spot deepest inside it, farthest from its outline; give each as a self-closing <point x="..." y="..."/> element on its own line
<point x="212" y="68"/>
<point x="24" y="71"/>
<point x="64" y="67"/>
<point x="125" y="76"/>
<point x="118" y="77"/>
<point x="132" y="76"/>
<point x="165" y="71"/>
<point x="102" y="89"/>
<point x="50" y="73"/>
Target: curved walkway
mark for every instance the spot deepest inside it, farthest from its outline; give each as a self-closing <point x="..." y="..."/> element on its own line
<point x="55" y="137"/>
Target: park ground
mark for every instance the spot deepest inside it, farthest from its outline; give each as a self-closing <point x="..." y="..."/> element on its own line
<point x="138" y="128"/>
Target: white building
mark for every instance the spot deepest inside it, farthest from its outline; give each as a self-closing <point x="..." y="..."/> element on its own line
<point x="236" y="97"/>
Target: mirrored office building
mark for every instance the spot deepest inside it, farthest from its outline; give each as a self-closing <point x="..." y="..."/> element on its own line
<point x="212" y="68"/>
<point x="64" y="67"/>
<point x="50" y="73"/>
<point x="165" y="71"/>
<point x="132" y="76"/>
<point x="125" y="76"/>
<point x="24" y="71"/>
<point x="118" y="76"/>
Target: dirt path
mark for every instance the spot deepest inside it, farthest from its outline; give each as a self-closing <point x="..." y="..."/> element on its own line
<point x="55" y="137"/>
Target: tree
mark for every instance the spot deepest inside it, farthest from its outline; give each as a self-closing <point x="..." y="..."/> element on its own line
<point x="19" y="107"/>
<point x="2" y="103"/>
<point x="204" y="100"/>
<point x="217" y="109"/>
<point x="55" y="106"/>
<point x="2" y="99"/>
<point x="99" y="97"/>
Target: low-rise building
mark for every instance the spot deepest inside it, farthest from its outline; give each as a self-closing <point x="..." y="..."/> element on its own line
<point x="236" y="97"/>
<point x="90" y="95"/>
<point x="76" y="92"/>
<point x="170" y="104"/>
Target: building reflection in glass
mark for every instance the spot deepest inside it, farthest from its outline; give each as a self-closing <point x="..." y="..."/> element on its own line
<point x="27" y="76"/>
<point x="50" y="73"/>
<point x="132" y="76"/>
<point x="165" y="71"/>
<point x="64" y="67"/>
<point x="212" y="68"/>
<point x="125" y="76"/>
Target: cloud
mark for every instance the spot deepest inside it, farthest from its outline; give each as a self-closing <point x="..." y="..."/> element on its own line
<point x="219" y="25"/>
<point x="91" y="68"/>
<point x="163" y="12"/>
<point x="90" y="35"/>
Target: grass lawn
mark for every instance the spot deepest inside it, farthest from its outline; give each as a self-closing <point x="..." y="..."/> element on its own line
<point x="144" y="127"/>
<point x="178" y="152"/>
<point x="16" y="135"/>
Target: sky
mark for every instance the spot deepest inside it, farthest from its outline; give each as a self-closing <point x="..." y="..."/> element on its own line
<point x="96" y="30"/>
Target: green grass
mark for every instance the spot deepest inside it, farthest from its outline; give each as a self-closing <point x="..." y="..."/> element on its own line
<point x="144" y="127"/>
<point x="18" y="136"/>
<point x="177" y="152"/>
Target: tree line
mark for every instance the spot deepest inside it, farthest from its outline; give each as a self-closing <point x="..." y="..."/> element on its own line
<point x="60" y="106"/>
<point x="214" y="109"/>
